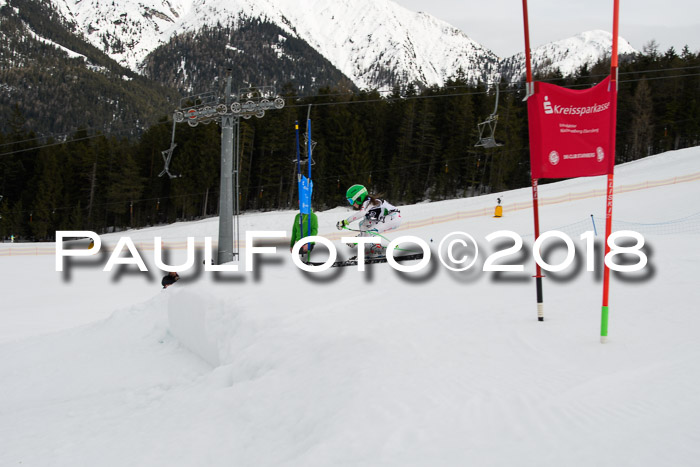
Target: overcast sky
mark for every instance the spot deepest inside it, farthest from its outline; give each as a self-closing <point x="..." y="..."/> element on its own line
<point x="498" y="24"/>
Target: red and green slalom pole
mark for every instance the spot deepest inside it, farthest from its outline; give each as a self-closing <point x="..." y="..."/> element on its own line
<point x="609" y="198"/>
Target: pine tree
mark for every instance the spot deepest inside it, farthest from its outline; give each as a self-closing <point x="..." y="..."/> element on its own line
<point x="426" y="151"/>
<point x="49" y="186"/>
<point x="510" y="161"/>
<point x="404" y="114"/>
<point x="641" y="125"/>
<point x="457" y="129"/>
<point x="125" y="187"/>
<point x="5" y="219"/>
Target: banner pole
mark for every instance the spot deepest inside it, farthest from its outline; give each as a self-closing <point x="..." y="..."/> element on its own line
<point x="308" y="163"/>
<point x="301" y="215"/>
<point x="609" y="198"/>
<point x="606" y="270"/>
<point x="538" y="270"/>
<point x="528" y="66"/>
<point x="530" y="90"/>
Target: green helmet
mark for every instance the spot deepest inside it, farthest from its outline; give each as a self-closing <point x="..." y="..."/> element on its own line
<point x="356" y="194"/>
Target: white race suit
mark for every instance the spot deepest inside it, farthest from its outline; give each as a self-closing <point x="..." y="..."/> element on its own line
<point x="377" y="218"/>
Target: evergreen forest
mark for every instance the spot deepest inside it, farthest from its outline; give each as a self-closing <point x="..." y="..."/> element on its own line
<point x="409" y="145"/>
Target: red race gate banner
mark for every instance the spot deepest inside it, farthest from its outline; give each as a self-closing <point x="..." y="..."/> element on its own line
<point x="570" y="131"/>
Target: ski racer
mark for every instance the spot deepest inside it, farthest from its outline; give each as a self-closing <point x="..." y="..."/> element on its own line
<point x="376" y="215"/>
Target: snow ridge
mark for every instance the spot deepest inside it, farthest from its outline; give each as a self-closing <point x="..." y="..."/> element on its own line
<point x="568" y="55"/>
<point x="376" y="43"/>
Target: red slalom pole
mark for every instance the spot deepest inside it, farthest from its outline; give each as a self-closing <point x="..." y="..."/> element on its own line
<point x="538" y="270"/>
<point x="528" y="65"/>
<point x="609" y="198"/>
<point x="530" y="90"/>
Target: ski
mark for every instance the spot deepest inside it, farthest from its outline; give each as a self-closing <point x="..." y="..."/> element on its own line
<point x="370" y="260"/>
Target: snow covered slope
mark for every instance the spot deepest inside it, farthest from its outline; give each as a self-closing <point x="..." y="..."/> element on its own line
<point x="282" y="368"/>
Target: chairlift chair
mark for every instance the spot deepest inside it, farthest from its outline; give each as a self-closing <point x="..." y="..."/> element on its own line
<point x="310" y="152"/>
<point x="306" y="145"/>
<point x="168" y="155"/>
<point x="487" y="129"/>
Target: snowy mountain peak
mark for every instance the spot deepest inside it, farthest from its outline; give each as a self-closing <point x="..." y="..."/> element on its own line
<point x="568" y="55"/>
<point x="375" y="43"/>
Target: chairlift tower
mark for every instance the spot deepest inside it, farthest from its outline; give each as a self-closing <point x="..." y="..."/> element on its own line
<point x="226" y="111"/>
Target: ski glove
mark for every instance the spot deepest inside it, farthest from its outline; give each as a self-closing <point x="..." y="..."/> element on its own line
<point x="341" y="224"/>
